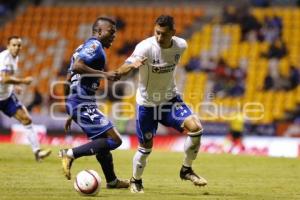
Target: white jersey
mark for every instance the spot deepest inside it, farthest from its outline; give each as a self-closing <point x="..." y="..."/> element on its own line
<point x="8" y="64"/>
<point x="156" y="77"/>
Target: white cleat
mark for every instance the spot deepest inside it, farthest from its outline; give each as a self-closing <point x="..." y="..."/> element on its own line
<point x="136" y="186"/>
<point x="186" y="173"/>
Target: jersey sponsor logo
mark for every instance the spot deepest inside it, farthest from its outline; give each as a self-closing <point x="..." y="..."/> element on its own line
<point x="155" y="69"/>
<point x="165" y="69"/>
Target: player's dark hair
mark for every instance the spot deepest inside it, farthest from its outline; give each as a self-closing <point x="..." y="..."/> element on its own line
<point x="12" y="37"/>
<point x="165" y="20"/>
<point x="107" y="19"/>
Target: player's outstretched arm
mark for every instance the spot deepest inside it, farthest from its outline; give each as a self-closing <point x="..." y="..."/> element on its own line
<point x="7" y="79"/>
<point x="127" y="67"/>
<point x="80" y="67"/>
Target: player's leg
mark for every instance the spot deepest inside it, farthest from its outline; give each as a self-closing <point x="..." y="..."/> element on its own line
<point x="101" y="148"/>
<point x="105" y="159"/>
<point x="191" y="147"/>
<point x="22" y="115"/>
<point x="146" y="126"/>
<point x="93" y="147"/>
<point x="97" y="145"/>
<point x="139" y="164"/>
<point x="181" y="118"/>
<point x="194" y="129"/>
<point x="104" y="137"/>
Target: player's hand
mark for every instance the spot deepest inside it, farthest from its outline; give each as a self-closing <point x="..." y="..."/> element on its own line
<point x="139" y="62"/>
<point x="27" y="80"/>
<point x="68" y="124"/>
<point x="113" y="76"/>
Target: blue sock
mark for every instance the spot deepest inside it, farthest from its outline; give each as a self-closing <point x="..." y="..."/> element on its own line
<point x="106" y="161"/>
<point x="94" y="147"/>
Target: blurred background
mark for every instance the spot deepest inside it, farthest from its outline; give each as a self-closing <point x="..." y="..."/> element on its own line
<point x="242" y="55"/>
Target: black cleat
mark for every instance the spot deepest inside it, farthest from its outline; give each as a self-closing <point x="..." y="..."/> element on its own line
<point x="186" y="173"/>
<point x="136" y="186"/>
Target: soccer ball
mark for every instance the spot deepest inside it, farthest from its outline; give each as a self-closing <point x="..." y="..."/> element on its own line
<point x="87" y="182"/>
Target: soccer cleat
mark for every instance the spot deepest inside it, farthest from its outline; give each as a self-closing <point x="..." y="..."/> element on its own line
<point x="41" y="154"/>
<point x="119" y="185"/>
<point x="186" y="173"/>
<point x="136" y="186"/>
<point x="66" y="162"/>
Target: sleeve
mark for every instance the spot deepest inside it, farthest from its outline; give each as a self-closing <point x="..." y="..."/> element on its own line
<point x="3" y="64"/>
<point x="2" y="68"/>
<point x="184" y="46"/>
<point x="140" y="51"/>
<point x="90" y="52"/>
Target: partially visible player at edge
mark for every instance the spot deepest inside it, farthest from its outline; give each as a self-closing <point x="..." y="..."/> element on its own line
<point x="9" y="103"/>
<point x="158" y="100"/>
<point x="86" y="68"/>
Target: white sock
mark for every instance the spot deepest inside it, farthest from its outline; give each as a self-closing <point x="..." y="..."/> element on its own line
<point x="191" y="148"/>
<point x="70" y="153"/>
<point x="32" y="138"/>
<point x="140" y="161"/>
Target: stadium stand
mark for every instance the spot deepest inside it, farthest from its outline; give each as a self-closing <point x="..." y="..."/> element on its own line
<point x="52" y="33"/>
<point x="225" y="41"/>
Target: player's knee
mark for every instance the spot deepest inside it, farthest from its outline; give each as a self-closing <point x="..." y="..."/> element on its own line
<point x="114" y="143"/>
<point x="119" y="142"/>
<point x="193" y="126"/>
<point x="147" y="145"/>
<point x="25" y="120"/>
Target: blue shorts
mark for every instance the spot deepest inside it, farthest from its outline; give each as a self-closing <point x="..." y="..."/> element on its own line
<point x="171" y="114"/>
<point x="10" y="105"/>
<point x="87" y="115"/>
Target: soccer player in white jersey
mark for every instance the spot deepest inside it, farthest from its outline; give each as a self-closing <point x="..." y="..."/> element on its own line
<point x="9" y="103"/>
<point x="159" y="102"/>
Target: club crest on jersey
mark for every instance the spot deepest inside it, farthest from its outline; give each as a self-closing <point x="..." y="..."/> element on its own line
<point x="177" y="56"/>
<point x="90" y="50"/>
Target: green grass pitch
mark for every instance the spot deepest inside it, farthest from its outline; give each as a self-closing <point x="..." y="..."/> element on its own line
<point x="229" y="177"/>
